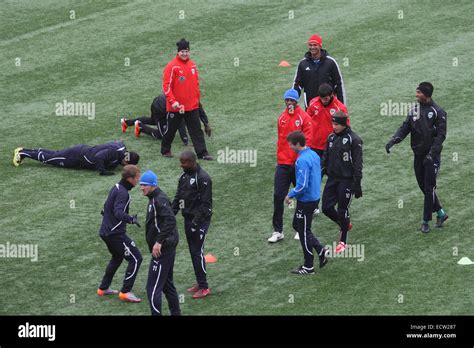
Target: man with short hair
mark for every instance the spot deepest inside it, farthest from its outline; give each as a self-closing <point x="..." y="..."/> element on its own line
<point x="162" y="239"/>
<point x="306" y="193"/>
<point x="194" y="199"/>
<point x="113" y="231"/>
<point x="427" y="124"/>
<point x="318" y="67"/>
<point x="101" y="158"/>
<point x="181" y="88"/>
<point x="160" y="118"/>
<point x="342" y="163"/>
<point x="291" y="119"/>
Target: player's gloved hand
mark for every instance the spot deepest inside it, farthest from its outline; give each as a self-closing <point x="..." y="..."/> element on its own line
<point x="207" y="129"/>
<point x="135" y="220"/>
<point x="356" y="188"/>
<point x="389" y="145"/>
<point x="194" y="226"/>
<point x="102" y="212"/>
<point x="428" y="159"/>
<point x="175" y="105"/>
<point x="106" y="172"/>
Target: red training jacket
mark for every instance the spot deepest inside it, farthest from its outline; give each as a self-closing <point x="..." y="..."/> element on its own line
<point x="181" y="84"/>
<point x="321" y="117"/>
<point x="288" y="123"/>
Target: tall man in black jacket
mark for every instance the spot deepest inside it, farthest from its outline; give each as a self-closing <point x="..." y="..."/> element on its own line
<point x="342" y="162"/>
<point x="194" y="198"/>
<point x="427" y="124"/>
<point x="113" y="232"/>
<point x="101" y="158"/>
<point x="162" y="239"/>
<point x="318" y="67"/>
<point x="160" y="118"/>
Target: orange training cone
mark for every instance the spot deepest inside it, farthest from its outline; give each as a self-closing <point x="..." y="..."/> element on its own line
<point x="284" y="63"/>
<point x="210" y="258"/>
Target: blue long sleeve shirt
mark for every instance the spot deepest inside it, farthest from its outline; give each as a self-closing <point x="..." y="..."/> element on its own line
<point x="308" y="177"/>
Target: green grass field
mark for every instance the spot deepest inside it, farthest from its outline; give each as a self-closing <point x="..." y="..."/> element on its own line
<point x="82" y="60"/>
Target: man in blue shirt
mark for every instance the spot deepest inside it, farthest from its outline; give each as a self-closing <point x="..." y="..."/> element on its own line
<point x="306" y="192"/>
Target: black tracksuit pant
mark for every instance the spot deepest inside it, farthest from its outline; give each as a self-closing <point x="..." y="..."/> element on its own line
<point x="284" y="176"/>
<point x="338" y="192"/>
<point x="161" y="127"/>
<point x="67" y="158"/>
<point x="426" y="173"/>
<point x="196" y="241"/>
<point x="160" y="280"/>
<point x="302" y="224"/>
<point x="121" y="247"/>
<point x="193" y="123"/>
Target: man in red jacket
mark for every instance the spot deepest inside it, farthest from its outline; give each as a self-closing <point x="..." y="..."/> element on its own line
<point x="321" y="109"/>
<point x="181" y="88"/>
<point x="292" y="119"/>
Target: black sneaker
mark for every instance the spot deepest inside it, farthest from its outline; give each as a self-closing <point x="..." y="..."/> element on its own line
<point x="441" y="220"/>
<point x="207" y="158"/>
<point x="323" y="260"/>
<point x="303" y="270"/>
<point x="425" y="228"/>
<point x="167" y="154"/>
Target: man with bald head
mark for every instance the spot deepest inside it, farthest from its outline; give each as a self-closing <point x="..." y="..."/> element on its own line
<point x="194" y="199"/>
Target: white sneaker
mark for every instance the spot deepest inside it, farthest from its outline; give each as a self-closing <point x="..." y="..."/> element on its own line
<point x="297" y="236"/>
<point x="276" y="236"/>
<point x="316" y="211"/>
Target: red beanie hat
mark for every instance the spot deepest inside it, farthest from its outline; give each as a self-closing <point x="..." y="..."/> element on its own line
<point x="316" y="39"/>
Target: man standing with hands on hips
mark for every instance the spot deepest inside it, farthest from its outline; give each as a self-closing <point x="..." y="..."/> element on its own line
<point x="181" y="88"/>
<point x="162" y="239"/>
<point x="427" y="124"/>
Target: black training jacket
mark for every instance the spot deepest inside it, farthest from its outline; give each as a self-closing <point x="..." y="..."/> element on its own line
<point x="427" y="124"/>
<point x="342" y="158"/>
<point x="194" y="195"/>
<point x="310" y="75"/>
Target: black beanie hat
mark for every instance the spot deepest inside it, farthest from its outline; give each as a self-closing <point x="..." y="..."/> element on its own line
<point x="426" y="88"/>
<point x="182" y="44"/>
<point x="340" y="118"/>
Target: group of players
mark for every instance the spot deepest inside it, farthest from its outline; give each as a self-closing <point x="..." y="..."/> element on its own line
<point x="312" y="143"/>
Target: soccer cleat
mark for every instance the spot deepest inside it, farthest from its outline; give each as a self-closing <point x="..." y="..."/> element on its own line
<point x="167" y="154"/>
<point x="124" y="124"/>
<point x="441" y="220"/>
<point x="297" y="236"/>
<point x="17" y="157"/>
<point x="425" y="228"/>
<point x="276" y="236"/>
<point x="303" y="270"/>
<point x="341" y="246"/>
<point x="194" y="288"/>
<point x="323" y="260"/>
<point x="105" y="292"/>
<point x="207" y="158"/>
<point x="202" y="293"/>
<point x="138" y="129"/>
<point x="129" y="297"/>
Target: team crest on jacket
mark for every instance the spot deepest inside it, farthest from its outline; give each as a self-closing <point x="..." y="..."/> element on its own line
<point x="430" y="114"/>
<point x="297" y="123"/>
<point x="344" y="141"/>
<point x="182" y="78"/>
<point x="332" y="111"/>
<point x="192" y="181"/>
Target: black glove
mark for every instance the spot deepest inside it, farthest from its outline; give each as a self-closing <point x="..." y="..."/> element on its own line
<point x="135" y="220"/>
<point x="207" y="129"/>
<point x="194" y="226"/>
<point x="389" y="145"/>
<point x="428" y="159"/>
<point x="102" y="212"/>
<point x="107" y="172"/>
<point x="356" y="188"/>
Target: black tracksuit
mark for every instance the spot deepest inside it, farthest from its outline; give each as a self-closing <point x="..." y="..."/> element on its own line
<point x="113" y="232"/>
<point x="427" y="124"/>
<point x="342" y="161"/>
<point x="310" y="75"/>
<point x="161" y="228"/>
<point x="159" y="118"/>
<point x="194" y="198"/>
<point x="100" y="157"/>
